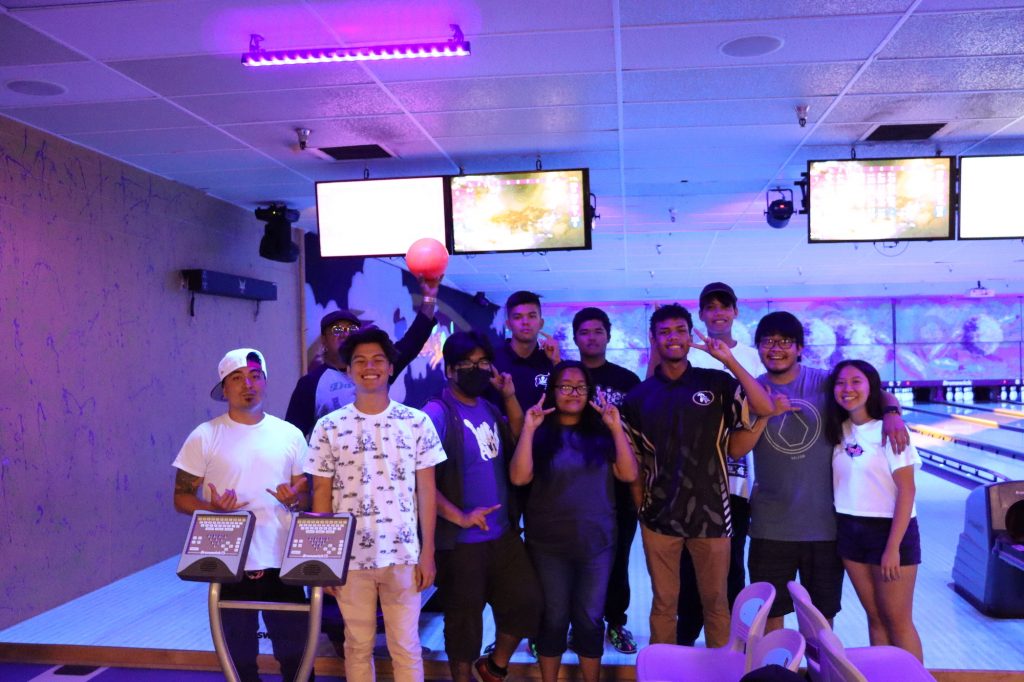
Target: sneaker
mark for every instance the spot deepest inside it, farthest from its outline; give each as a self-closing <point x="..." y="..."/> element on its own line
<point x="621" y="639"/>
<point x="483" y="671"/>
<point x="531" y="646"/>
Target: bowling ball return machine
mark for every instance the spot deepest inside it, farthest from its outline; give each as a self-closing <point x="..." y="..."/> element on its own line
<point x="316" y="555"/>
<point x="988" y="569"/>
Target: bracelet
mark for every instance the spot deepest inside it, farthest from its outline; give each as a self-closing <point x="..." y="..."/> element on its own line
<point x="430" y="299"/>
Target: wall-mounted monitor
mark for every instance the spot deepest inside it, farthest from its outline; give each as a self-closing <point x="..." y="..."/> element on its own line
<point x="530" y="211"/>
<point x="876" y="200"/>
<point x="379" y="217"/>
<point x="989" y="201"/>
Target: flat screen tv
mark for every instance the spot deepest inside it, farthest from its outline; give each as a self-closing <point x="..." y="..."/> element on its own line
<point x="379" y="217"/>
<point x="529" y="211"/>
<point x="879" y="200"/>
<point x="989" y="204"/>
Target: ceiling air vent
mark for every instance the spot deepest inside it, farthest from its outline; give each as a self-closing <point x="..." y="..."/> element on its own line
<point x="902" y="132"/>
<point x="356" y="152"/>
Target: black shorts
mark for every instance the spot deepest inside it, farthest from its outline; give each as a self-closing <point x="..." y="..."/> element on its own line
<point x="496" y="572"/>
<point x="817" y="563"/>
<point x="863" y="539"/>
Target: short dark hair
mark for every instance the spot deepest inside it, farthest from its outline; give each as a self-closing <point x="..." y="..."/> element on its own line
<point x="521" y="298"/>
<point x="836" y="414"/>
<point x="588" y="314"/>
<point x="672" y="311"/>
<point x="782" y="323"/>
<point x="460" y="345"/>
<point x="368" y="335"/>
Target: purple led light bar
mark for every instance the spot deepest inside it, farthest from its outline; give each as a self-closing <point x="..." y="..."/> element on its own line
<point x="457" y="46"/>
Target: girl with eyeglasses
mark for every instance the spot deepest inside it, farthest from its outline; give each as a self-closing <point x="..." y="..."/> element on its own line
<point x="568" y="452"/>
<point x="874" y="490"/>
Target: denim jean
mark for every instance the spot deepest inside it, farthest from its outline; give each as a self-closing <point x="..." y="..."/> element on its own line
<point x="574" y="593"/>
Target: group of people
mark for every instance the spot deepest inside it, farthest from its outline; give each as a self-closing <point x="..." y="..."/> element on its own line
<point x="522" y="484"/>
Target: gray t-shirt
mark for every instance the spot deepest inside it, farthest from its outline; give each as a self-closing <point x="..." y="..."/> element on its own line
<point x="792" y="496"/>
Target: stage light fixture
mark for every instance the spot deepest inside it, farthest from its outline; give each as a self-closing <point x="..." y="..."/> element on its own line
<point x="277" y="244"/>
<point x="779" y="210"/>
<point x="457" y="46"/>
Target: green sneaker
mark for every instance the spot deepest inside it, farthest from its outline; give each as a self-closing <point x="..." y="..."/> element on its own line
<point x="621" y="639"/>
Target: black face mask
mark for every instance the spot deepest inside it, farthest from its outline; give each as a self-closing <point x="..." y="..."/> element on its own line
<point x="473" y="381"/>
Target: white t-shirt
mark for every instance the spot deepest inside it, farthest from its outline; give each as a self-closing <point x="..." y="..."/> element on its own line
<point x="862" y="471"/>
<point x="248" y="459"/>
<point x="373" y="460"/>
<point x="741" y="471"/>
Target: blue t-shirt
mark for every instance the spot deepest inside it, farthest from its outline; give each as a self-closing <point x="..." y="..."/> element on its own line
<point x="570" y="510"/>
<point x="483" y="484"/>
<point x="792" y="496"/>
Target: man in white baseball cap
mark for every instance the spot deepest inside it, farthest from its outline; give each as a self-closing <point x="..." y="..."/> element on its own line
<point x="248" y="459"/>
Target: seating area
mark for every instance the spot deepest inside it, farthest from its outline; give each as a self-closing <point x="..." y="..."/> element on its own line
<point x="750" y="649"/>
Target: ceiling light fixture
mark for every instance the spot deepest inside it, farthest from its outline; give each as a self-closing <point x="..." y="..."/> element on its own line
<point x="780" y="210"/>
<point x="457" y="46"/>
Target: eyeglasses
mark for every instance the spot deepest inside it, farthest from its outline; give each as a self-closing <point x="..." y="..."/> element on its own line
<point x="484" y="364"/>
<point x="342" y="329"/>
<point x="784" y="344"/>
<point x="568" y="389"/>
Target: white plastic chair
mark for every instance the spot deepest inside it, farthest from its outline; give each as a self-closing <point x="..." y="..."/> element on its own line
<point x="672" y="663"/>
<point x="781" y="647"/>
<point x="874" y="662"/>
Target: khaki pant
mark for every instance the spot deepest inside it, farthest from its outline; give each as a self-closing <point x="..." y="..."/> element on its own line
<point x="400" y="603"/>
<point x="711" y="563"/>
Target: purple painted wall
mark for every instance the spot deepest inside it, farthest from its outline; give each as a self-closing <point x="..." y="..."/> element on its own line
<point x="104" y="371"/>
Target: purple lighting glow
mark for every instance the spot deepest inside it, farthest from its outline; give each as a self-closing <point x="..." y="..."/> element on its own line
<point x="457" y="46"/>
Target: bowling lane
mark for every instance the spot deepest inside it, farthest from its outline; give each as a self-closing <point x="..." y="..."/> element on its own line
<point x="982" y="435"/>
<point x="1013" y="469"/>
<point x="978" y="414"/>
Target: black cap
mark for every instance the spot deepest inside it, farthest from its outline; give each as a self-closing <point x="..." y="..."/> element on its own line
<point x="337" y="316"/>
<point x="717" y="288"/>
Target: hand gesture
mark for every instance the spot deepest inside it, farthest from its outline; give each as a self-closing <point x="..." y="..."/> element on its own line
<point x="781" y="402"/>
<point x="609" y="413"/>
<point x="285" y="495"/>
<point x="478" y="517"/>
<point x="226" y="502"/>
<point x="535" y="415"/>
<point x="429" y="287"/>
<point x="549" y="345"/>
<point x="502" y="382"/>
<point x="716" y="348"/>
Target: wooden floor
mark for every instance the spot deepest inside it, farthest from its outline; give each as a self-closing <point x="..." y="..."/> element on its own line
<point x="153" y="609"/>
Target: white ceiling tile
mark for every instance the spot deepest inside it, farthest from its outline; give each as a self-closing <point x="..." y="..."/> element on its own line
<point x="170" y="164"/>
<point x="105" y="116"/>
<point x="20" y="44"/>
<point x="673" y="12"/>
<point x="82" y="82"/>
<point x="291" y="105"/>
<point x="464" y="148"/>
<point x="752" y="82"/>
<point x="516" y="121"/>
<point x="942" y="75"/>
<point x="338" y="132"/>
<point x="782" y="110"/>
<point x="506" y="93"/>
<point x="697" y="45"/>
<point x="943" y="35"/>
<point x="167" y="141"/>
<point x="935" y="108"/>
<point x="162" y="28"/>
<point x="224" y="73"/>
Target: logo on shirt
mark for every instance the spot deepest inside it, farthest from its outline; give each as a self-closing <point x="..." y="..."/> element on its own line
<point x="541" y="381"/>
<point x="486" y="439"/>
<point x="610" y="395"/>
<point x="854" y="450"/>
<point x="794" y="433"/>
<point x="703" y="398"/>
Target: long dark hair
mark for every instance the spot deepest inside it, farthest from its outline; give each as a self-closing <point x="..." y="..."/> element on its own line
<point x="589" y="435"/>
<point x="836" y="414"/>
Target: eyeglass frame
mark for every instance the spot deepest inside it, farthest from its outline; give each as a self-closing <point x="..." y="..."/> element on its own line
<point x="342" y="329"/>
<point x="768" y="343"/>
<point x="569" y="389"/>
<point x="469" y="364"/>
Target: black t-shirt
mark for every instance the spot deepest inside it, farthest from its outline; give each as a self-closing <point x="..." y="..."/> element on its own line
<point x="679" y="431"/>
<point x="530" y="374"/>
<point x="614" y="381"/>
